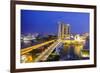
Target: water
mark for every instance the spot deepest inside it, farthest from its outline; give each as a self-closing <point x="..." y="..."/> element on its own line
<point x="69" y="54"/>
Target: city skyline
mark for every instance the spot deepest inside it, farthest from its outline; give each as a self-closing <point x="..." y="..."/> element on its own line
<point x="46" y="22"/>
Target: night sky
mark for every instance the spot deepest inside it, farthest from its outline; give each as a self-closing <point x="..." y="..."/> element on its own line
<point x="46" y="22"/>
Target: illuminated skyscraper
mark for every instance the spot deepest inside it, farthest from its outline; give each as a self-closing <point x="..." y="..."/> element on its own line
<point x="68" y="29"/>
<point x="63" y="30"/>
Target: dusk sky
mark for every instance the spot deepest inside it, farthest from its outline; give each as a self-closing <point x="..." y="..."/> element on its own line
<point x="46" y="22"/>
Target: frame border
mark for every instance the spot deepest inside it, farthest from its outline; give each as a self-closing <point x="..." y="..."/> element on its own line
<point x="13" y="35"/>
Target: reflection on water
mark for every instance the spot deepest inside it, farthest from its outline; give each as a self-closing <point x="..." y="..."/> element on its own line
<point x="68" y="53"/>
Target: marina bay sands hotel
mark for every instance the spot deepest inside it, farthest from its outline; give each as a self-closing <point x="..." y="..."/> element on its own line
<point x="63" y="31"/>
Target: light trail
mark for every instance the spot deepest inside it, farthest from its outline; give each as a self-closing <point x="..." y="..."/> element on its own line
<point x="26" y="50"/>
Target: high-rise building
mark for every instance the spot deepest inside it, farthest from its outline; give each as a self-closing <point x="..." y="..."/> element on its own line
<point x="63" y="30"/>
<point x="68" y="29"/>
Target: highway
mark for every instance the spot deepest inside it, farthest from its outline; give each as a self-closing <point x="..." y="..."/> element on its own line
<point x="26" y="50"/>
<point x="44" y="55"/>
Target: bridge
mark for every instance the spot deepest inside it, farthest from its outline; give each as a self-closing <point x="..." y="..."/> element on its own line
<point x="26" y="50"/>
<point x="64" y="37"/>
